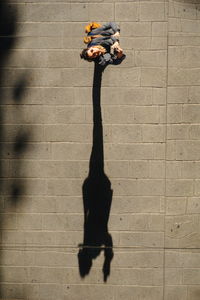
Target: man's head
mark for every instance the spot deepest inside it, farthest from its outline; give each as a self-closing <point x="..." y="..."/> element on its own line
<point x="91" y="53"/>
<point x="84" y="55"/>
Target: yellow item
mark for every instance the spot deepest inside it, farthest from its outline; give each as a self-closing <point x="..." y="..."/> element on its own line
<point x="87" y="39"/>
<point x="91" y="26"/>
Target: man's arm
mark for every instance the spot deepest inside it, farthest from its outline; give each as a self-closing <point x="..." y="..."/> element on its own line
<point x="110" y="59"/>
<point x="112" y="25"/>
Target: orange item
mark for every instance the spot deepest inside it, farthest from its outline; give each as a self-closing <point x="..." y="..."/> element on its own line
<point x="91" y="26"/>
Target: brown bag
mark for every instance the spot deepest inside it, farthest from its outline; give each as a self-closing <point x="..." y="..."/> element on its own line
<point x="88" y="39"/>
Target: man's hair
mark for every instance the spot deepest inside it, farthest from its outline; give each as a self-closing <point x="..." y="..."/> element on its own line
<point x="84" y="55"/>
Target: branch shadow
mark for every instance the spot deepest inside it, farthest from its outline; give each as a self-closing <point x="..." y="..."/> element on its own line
<point x="21" y="139"/>
<point x="97" y="195"/>
<point x="10" y="186"/>
<point x="7" y="31"/>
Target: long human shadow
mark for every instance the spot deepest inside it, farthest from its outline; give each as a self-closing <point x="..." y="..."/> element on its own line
<point x="97" y="195"/>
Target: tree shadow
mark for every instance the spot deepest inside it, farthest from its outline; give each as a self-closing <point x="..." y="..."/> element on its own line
<point x="7" y="31"/>
<point x="97" y="195"/>
<point x="21" y="139"/>
<point x="11" y="148"/>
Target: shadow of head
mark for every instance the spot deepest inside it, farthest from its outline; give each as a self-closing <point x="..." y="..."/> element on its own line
<point x="85" y="257"/>
<point x="87" y="254"/>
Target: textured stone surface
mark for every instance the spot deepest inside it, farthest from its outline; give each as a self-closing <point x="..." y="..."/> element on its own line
<point x="151" y="129"/>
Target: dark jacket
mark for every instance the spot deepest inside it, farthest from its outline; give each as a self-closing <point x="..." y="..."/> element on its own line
<point x="106" y="40"/>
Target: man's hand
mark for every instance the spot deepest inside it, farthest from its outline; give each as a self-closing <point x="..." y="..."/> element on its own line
<point x="115" y="45"/>
<point x="119" y="53"/>
<point x="117" y="34"/>
<point x="117" y="49"/>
